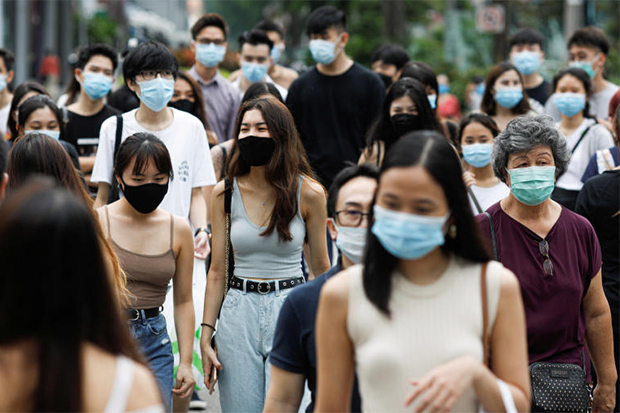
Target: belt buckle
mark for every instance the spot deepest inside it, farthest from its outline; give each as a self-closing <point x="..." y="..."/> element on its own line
<point x="258" y="287"/>
<point x="132" y="311"/>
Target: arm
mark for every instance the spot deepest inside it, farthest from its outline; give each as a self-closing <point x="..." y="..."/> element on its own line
<point x="217" y="157"/>
<point x="444" y="385"/>
<point x="334" y="348"/>
<point x="103" y="192"/>
<point x="198" y="218"/>
<point x="104" y="161"/>
<point x="214" y="293"/>
<point x="314" y="210"/>
<point x="184" y="306"/>
<point x="286" y="390"/>
<point x="600" y="345"/>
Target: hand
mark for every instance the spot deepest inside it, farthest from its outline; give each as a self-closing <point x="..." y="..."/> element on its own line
<point x="185" y="381"/>
<point x="469" y="178"/>
<point x="201" y="245"/>
<point x="604" y="398"/>
<point x="212" y="138"/>
<point x="210" y="363"/>
<point x="443" y="386"/>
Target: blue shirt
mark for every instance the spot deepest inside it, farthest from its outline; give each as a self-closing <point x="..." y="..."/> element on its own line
<point x="294" y="347"/>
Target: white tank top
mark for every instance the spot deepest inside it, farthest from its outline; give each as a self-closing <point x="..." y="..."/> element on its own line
<point x="429" y="326"/>
<point x="123" y="379"/>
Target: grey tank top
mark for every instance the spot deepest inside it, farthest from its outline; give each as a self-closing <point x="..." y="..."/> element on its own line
<point x="265" y="256"/>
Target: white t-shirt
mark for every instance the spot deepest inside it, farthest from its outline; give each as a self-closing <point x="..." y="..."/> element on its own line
<point x="268" y="79"/>
<point x="599" y="103"/>
<point x="4" y="118"/>
<point x="487" y="196"/>
<point x="598" y="137"/>
<point x="186" y="141"/>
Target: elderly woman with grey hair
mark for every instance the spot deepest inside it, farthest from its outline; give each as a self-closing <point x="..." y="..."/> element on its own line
<point x="554" y="253"/>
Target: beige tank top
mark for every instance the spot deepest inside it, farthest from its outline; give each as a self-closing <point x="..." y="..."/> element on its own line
<point x="429" y="326"/>
<point x="147" y="275"/>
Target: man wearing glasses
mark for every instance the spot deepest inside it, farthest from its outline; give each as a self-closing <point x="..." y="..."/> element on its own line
<point x="293" y="355"/>
<point x="221" y="99"/>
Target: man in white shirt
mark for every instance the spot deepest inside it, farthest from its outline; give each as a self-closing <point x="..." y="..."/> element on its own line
<point x="255" y="60"/>
<point x="6" y="76"/>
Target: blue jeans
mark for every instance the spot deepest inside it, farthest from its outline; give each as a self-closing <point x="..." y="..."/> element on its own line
<point x="244" y="339"/>
<point x="154" y="342"/>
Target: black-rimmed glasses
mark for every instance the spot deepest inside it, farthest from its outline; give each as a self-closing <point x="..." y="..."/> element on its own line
<point x="350" y="217"/>
<point x="152" y="74"/>
<point x="543" y="247"/>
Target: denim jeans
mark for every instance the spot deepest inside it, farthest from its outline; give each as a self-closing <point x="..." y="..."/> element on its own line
<point x="154" y="342"/>
<point x="244" y="339"/>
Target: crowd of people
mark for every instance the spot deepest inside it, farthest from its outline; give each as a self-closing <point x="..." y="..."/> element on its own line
<point x="337" y="240"/>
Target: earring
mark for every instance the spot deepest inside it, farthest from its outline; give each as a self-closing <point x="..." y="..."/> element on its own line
<point x="452" y="231"/>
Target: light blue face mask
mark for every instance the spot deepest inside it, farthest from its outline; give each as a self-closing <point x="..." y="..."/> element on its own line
<point x="276" y="52"/>
<point x="444" y="88"/>
<point x="478" y="155"/>
<point x="2" y="82"/>
<point x="533" y="185"/>
<point x="408" y="236"/>
<point x="480" y="88"/>
<point x="585" y="66"/>
<point x="432" y="100"/>
<point x="96" y="85"/>
<point x="156" y="93"/>
<point x="54" y="134"/>
<point x="253" y="72"/>
<point x="569" y="104"/>
<point x="509" y="97"/>
<point x="209" y="55"/>
<point x="323" y="51"/>
<point x="526" y="62"/>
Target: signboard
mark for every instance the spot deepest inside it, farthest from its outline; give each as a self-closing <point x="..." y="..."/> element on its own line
<point x="491" y="19"/>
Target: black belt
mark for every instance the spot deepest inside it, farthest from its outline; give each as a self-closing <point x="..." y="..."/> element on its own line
<point x="134" y="314"/>
<point x="264" y="287"/>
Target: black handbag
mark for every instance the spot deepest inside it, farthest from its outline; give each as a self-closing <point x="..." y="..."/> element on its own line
<point x="559" y="387"/>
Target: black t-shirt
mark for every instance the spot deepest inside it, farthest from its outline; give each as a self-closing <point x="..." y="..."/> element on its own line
<point x="540" y="93"/>
<point x="294" y="339"/>
<point x="332" y="114"/>
<point x="79" y="127"/>
<point x="599" y="202"/>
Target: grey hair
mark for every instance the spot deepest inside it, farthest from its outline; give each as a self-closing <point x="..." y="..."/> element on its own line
<point x="525" y="133"/>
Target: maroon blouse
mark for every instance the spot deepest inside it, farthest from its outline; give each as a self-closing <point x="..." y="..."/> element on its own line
<point x="554" y="310"/>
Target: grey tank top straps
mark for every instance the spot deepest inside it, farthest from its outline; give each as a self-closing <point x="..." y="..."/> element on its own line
<point x="265" y="257"/>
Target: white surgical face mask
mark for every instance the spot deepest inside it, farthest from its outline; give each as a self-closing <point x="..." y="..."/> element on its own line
<point x="351" y="242"/>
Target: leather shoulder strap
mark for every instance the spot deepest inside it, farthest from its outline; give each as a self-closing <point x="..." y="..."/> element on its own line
<point x="485" y="314"/>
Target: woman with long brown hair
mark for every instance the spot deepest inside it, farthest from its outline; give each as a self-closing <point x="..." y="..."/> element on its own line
<point x="276" y="206"/>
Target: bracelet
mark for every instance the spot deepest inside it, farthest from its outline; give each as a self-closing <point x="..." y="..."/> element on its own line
<point x="208" y="325"/>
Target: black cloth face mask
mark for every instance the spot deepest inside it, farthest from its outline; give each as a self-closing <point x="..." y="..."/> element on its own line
<point x="256" y="151"/>
<point x="184" y="104"/>
<point x="387" y="80"/>
<point x="405" y="122"/>
<point x="145" y="198"/>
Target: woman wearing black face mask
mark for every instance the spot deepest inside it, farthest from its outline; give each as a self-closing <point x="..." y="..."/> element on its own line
<point x="275" y="207"/>
<point x="405" y="109"/>
<point x="153" y="247"/>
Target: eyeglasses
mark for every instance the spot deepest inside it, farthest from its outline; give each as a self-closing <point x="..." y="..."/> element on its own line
<point x="152" y="74"/>
<point x="216" y="42"/>
<point x="543" y="247"/>
<point x="350" y="218"/>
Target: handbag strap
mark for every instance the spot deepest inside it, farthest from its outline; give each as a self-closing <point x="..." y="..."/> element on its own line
<point x="485" y="314"/>
<point x="493" y="240"/>
<point x="473" y="198"/>
<point x="230" y="264"/>
<point x="583" y="135"/>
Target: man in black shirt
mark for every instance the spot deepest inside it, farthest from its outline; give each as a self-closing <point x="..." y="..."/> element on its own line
<point x="335" y="102"/>
<point x="526" y="53"/>
<point x="95" y="72"/>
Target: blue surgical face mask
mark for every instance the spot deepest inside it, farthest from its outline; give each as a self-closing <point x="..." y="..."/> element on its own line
<point x="253" y="72"/>
<point x="533" y="185"/>
<point x="586" y="66"/>
<point x="570" y="104"/>
<point x="408" y="236"/>
<point x="478" y="155"/>
<point x="351" y="242"/>
<point x="508" y="97"/>
<point x="276" y="52"/>
<point x="444" y="88"/>
<point x="480" y="88"/>
<point x="96" y="85"/>
<point x="54" y="134"/>
<point x="209" y="55"/>
<point x="156" y="93"/>
<point x="2" y="82"/>
<point x="323" y="51"/>
<point x="432" y="100"/>
<point x="526" y="62"/>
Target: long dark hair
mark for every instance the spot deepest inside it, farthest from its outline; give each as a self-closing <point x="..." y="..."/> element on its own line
<point x="62" y="299"/>
<point x="583" y="77"/>
<point x="18" y="95"/>
<point x="39" y="102"/>
<point x="488" y="104"/>
<point x="382" y="129"/>
<point x="432" y="151"/>
<point x="198" y="109"/>
<point x="288" y="162"/>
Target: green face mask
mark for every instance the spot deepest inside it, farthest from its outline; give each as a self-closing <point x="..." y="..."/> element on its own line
<point x="533" y="185"/>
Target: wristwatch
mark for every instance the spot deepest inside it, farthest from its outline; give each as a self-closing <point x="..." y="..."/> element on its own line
<point x="201" y="229"/>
